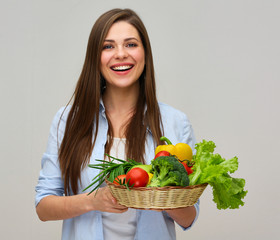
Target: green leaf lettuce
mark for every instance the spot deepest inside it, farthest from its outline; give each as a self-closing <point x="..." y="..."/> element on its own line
<point x="211" y="168"/>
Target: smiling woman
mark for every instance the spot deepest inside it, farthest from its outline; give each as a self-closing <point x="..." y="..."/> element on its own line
<point x="114" y="111"/>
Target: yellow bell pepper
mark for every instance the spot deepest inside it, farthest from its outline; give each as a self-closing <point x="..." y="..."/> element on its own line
<point x="150" y="177"/>
<point x="181" y="150"/>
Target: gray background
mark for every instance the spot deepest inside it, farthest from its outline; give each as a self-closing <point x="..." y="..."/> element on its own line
<point x="218" y="61"/>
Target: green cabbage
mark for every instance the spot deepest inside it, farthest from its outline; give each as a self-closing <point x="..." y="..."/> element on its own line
<point x="211" y="168"/>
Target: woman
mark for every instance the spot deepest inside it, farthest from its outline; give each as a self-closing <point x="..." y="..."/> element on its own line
<point x="114" y="111"/>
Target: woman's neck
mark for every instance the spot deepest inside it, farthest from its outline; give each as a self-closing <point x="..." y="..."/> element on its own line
<point x="120" y="101"/>
<point x="120" y="106"/>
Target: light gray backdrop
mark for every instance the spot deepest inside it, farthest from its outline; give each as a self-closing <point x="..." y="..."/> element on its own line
<point x="218" y="61"/>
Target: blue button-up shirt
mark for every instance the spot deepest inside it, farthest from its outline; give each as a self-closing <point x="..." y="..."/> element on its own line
<point x="151" y="225"/>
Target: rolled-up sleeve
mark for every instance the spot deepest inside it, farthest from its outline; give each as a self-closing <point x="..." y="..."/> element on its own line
<point x="50" y="181"/>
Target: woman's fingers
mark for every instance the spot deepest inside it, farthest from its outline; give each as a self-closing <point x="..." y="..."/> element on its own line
<point x="104" y="201"/>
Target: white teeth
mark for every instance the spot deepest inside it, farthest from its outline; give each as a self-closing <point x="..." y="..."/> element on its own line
<point x="122" y="68"/>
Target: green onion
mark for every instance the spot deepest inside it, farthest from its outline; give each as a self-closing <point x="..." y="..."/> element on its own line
<point x="110" y="170"/>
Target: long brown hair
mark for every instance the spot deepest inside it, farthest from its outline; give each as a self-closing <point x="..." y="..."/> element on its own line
<point x="83" y="118"/>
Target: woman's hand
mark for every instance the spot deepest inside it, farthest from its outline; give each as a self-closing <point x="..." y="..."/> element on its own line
<point x="102" y="200"/>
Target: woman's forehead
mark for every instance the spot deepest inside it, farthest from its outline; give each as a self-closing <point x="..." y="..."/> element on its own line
<point x="122" y="30"/>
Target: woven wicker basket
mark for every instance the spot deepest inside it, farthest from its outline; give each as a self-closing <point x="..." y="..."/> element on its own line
<point x="157" y="198"/>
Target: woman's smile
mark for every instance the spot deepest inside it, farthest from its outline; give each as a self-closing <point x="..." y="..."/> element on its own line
<point x="122" y="67"/>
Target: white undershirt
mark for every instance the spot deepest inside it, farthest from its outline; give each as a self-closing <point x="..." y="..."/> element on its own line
<point x="119" y="226"/>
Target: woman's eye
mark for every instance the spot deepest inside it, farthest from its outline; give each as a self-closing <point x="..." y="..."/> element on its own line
<point x="107" y="46"/>
<point x="131" y="45"/>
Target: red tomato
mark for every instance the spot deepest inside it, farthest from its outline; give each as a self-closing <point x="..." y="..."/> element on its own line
<point x="162" y="153"/>
<point x="137" y="177"/>
<point x="188" y="169"/>
<point x="120" y="180"/>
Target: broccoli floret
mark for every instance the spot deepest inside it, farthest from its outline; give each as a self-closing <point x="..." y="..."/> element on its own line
<point x="168" y="171"/>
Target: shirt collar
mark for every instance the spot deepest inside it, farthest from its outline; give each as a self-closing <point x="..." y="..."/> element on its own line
<point x="101" y="105"/>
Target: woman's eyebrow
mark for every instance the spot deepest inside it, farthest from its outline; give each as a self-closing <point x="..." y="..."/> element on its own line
<point x="125" y="40"/>
<point x="131" y="38"/>
<point x="108" y="40"/>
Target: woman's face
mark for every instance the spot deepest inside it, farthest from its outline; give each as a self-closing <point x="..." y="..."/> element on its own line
<point x="123" y="56"/>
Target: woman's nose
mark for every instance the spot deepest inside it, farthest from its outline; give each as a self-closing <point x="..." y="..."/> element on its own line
<point x="121" y="53"/>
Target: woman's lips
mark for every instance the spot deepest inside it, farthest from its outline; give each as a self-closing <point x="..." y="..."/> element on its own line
<point x="122" y="67"/>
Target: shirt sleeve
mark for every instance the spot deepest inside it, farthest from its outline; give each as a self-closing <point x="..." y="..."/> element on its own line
<point x="50" y="181"/>
<point x="188" y="133"/>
